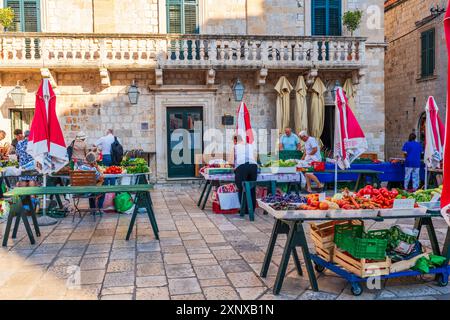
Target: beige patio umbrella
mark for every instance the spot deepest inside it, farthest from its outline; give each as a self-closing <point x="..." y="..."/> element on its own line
<point x="317" y="114"/>
<point x="350" y="92"/>
<point x="283" y="88"/>
<point x="301" y="111"/>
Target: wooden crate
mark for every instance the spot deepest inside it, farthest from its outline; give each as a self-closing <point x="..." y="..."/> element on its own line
<point x="323" y="237"/>
<point x="361" y="267"/>
<point x="407" y="264"/>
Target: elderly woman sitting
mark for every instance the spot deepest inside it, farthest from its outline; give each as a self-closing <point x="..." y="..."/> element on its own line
<point x="91" y="165"/>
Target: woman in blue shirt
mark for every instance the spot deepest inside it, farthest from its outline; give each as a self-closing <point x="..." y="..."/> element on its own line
<point x="412" y="151"/>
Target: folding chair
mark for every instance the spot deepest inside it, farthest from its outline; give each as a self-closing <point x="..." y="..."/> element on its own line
<point x="81" y="178"/>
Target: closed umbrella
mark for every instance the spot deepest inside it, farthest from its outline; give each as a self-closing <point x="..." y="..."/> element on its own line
<point x="46" y="142"/>
<point x="350" y="93"/>
<point x="349" y="139"/>
<point x="317" y="114"/>
<point x="283" y="88"/>
<point x="243" y="124"/>
<point x="301" y="111"/>
<point x="434" y="137"/>
<point x="445" y="197"/>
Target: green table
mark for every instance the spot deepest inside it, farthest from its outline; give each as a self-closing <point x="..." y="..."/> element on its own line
<point x="23" y="195"/>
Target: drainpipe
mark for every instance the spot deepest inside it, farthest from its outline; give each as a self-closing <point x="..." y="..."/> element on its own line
<point x="246" y="18"/>
<point x="93" y="16"/>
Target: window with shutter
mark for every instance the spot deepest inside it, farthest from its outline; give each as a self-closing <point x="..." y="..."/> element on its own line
<point x="326" y="18"/>
<point x="27" y="15"/>
<point x="427" y="39"/>
<point x="182" y="16"/>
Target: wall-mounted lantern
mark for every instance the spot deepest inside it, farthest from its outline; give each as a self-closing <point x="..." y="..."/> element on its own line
<point x="18" y="95"/>
<point x="133" y="93"/>
<point x="238" y="90"/>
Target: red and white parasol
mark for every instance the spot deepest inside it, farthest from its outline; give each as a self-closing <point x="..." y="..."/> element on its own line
<point x="434" y="136"/>
<point x="243" y="124"/>
<point x="445" y="197"/>
<point x="349" y="139"/>
<point x="46" y="142"/>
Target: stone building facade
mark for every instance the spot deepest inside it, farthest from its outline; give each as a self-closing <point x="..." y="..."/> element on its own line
<point x="407" y="88"/>
<point x="94" y="50"/>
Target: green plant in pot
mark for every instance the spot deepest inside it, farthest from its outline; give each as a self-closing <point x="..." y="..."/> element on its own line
<point x="352" y="20"/>
<point x="6" y="18"/>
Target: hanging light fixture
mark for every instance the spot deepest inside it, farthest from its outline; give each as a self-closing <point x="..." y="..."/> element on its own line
<point x="238" y="90"/>
<point x="18" y="95"/>
<point x="133" y="93"/>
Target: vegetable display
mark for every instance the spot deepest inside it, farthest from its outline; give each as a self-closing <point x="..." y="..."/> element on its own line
<point x="280" y="163"/>
<point x="137" y="165"/>
<point x="420" y="195"/>
<point x="113" y="170"/>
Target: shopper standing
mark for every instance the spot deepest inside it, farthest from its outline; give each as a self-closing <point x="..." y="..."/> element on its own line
<point x="246" y="167"/>
<point x="412" y="151"/>
<point x="104" y="144"/>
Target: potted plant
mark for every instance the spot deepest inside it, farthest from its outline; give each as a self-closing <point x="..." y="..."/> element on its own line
<point x="352" y="20"/>
<point x="6" y="18"/>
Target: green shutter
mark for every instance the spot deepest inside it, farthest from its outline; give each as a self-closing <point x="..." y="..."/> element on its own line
<point x="431" y="54"/>
<point x="27" y="15"/>
<point x="334" y="18"/>
<point x="182" y="16"/>
<point x="427" y="40"/>
<point x="31" y="16"/>
<point x="15" y="5"/>
<point x="190" y="16"/>
<point x="326" y="17"/>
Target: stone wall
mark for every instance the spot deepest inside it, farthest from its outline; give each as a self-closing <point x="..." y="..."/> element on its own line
<point x="406" y="93"/>
<point x="258" y="17"/>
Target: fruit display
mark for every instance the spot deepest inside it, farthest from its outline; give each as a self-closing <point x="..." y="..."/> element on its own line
<point x="9" y="163"/>
<point x="380" y="198"/>
<point x="113" y="170"/>
<point x="134" y="166"/>
<point x="289" y="198"/>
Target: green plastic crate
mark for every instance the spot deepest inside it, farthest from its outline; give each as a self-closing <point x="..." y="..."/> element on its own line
<point x="288" y="154"/>
<point x="352" y="238"/>
<point x="378" y="234"/>
<point x="345" y="234"/>
<point x="364" y="248"/>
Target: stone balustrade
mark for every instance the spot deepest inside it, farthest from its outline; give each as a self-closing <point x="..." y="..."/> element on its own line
<point x="117" y="51"/>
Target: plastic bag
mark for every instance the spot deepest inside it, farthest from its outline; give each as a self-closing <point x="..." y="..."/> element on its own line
<point x="123" y="202"/>
<point x="108" y="203"/>
<point x="437" y="260"/>
<point x="229" y="201"/>
<point x="422" y="265"/>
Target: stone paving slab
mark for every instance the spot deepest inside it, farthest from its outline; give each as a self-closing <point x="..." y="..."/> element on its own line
<point x="201" y="255"/>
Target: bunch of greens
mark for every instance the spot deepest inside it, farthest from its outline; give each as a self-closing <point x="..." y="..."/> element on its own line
<point x="136" y="165"/>
<point x="420" y="195"/>
<point x="280" y="163"/>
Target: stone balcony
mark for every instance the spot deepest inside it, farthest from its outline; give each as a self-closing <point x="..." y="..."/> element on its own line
<point x="56" y="52"/>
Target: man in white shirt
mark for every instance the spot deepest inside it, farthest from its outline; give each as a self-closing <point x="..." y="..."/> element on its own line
<point x="246" y="166"/>
<point x="312" y="149"/>
<point x="104" y="144"/>
<point x="311" y="154"/>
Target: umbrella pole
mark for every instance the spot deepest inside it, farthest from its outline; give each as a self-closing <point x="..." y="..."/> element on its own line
<point x="45" y="220"/>
<point x="426" y="177"/>
<point x="335" y="177"/>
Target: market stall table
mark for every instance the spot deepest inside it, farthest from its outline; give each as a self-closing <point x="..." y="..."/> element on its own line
<point x="291" y="224"/>
<point x="142" y="192"/>
<point x="216" y="180"/>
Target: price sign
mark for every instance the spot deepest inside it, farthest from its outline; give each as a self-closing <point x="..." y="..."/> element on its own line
<point x="322" y="196"/>
<point x="436" y="198"/>
<point x="404" y="203"/>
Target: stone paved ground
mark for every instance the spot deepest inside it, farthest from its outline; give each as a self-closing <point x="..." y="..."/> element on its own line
<point x="201" y="255"/>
